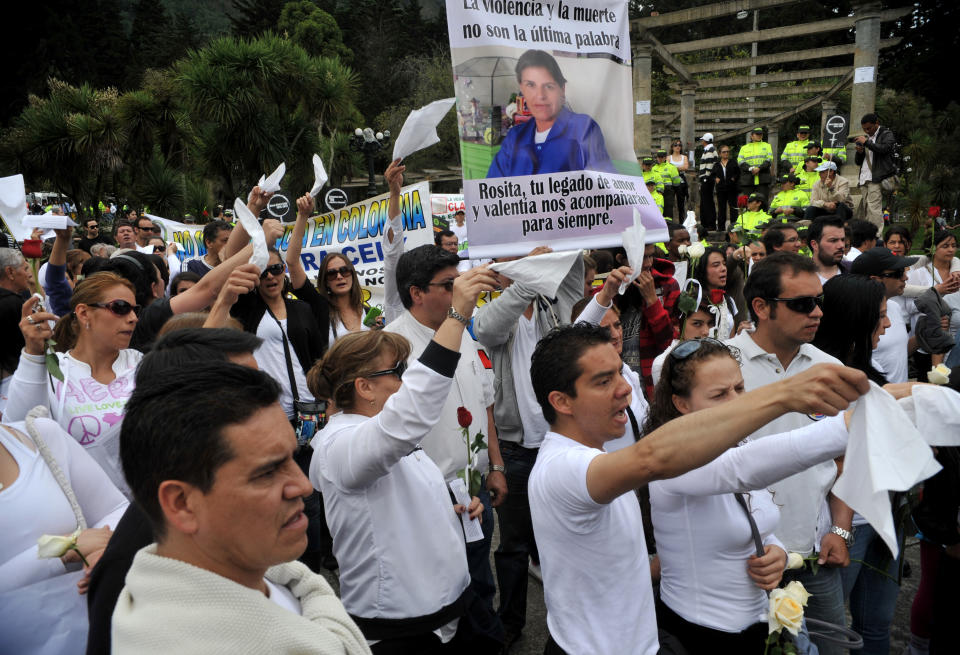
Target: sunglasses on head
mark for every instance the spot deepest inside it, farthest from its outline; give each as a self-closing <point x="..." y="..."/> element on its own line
<point x="117" y="307"/>
<point x="274" y="269"/>
<point x="343" y="271"/>
<point x="687" y="348"/>
<point x="800" y="304"/>
<point x="396" y="370"/>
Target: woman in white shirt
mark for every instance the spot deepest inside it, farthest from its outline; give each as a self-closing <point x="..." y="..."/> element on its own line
<point x="42" y="611"/>
<point x="712" y="582"/>
<point x="96" y="364"/>
<point x="678" y="159"/>
<point x="396" y="535"/>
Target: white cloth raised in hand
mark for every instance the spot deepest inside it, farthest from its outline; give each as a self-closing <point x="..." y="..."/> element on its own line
<point x="542" y="273"/>
<point x="319" y="175"/>
<point x="249" y="222"/>
<point x="13" y="199"/>
<point x="48" y="221"/>
<point x="272" y="183"/>
<point x="935" y="410"/>
<point x="419" y="131"/>
<point x="634" y="242"/>
<point x="690" y="222"/>
<point x="885" y="453"/>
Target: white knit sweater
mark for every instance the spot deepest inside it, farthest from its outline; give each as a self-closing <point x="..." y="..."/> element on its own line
<point x="169" y="606"/>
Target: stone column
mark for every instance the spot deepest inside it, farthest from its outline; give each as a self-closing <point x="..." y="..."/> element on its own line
<point x="773" y="138"/>
<point x="642" y="139"/>
<point x="687" y="123"/>
<point x="865" y="58"/>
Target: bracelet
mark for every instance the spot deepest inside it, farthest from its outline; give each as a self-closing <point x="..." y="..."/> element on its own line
<point x="846" y="535"/>
<point x="452" y="313"/>
<point x="496" y="468"/>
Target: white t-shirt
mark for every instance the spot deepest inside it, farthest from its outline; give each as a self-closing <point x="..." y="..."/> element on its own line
<point x="596" y="572"/>
<point x="338" y="329"/>
<point x="271" y="359"/>
<point x="890" y="357"/>
<point x="852" y="254"/>
<point x="541" y="137"/>
<point x="531" y="415"/>
<point x="283" y="597"/>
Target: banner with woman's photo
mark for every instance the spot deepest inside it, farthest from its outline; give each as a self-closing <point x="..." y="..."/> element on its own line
<point x="544" y="101"/>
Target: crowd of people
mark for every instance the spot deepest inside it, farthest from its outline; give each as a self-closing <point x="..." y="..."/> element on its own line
<point x="185" y="447"/>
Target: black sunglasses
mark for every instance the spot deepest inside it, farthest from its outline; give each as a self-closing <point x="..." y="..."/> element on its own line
<point x="118" y="307"/>
<point x="275" y="269"/>
<point x="448" y="285"/>
<point x="800" y="304"/>
<point x="396" y="370"/>
<point x="93" y="227"/>
<point x="893" y="275"/>
<point x="687" y="348"/>
<point x="152" y="228"/>
<point x="333" y="273"/>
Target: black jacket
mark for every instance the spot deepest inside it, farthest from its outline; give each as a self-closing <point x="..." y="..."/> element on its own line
<point x="11" y="338"/>
<point x="883" y="165"/>
<point x="729" y="177"/>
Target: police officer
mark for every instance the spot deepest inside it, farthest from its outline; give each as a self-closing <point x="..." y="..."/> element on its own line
<point x="670" y="177"/>
<point x="755" y="159"/>
<point x="795" y="151"/>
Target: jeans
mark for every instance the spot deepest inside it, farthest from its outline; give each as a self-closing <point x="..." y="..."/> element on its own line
<point x="872" y="597"/>
<point x="953" y="357"/>
<point x="478" y="553"/>
<point x="826" y="601"/>
<point x="516" y="537"/>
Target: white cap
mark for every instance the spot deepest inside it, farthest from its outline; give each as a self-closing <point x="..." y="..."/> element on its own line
<point x="707" y="137"/>
<point x="826" y="166"/>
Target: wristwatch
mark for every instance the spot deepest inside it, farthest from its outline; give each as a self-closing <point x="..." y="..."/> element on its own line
<point x="496" y="467"/>
<point x="452" y="313"/>
<point x="846" y="535"/>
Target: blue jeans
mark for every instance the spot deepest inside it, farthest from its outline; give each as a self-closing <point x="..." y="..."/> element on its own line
<point x="953" y="357"/>
<point x="826" y="601"/>
<point x="873" y="597"/>
<point x="478" y="553"/>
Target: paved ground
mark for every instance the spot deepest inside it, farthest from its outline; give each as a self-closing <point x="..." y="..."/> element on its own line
<point x="535" y="634"/>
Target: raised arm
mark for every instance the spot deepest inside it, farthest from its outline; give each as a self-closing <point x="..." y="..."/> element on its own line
<point x="393" y="243"/>
<point x="691" y="441"/>
<point x="57" y="286"/>
<point x="256" y="203"/>
<point x="241" y="281"/>
<point x="298" y="276"/>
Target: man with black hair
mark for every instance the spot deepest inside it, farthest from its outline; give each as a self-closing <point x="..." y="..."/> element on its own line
<point x="863" y="237"/>
<point x="826" y="238"/>
<point x="215" y="236"/>
<point x="209" y="457"/>
<point x="679" y="236"/>
<point x="446" y="240"/>
<point x="92" y="235"/>
<point x="781" y="237"/>
<point x="587" y="521"/>
<point x="145" y="229"/>
<point x="173" y="354"/>
<point x="875" y="159"/>
<point x="785" y="298"/>
<point x="418" y="296"/>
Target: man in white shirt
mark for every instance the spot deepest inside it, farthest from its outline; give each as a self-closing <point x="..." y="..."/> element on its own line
<point x="224" y="496"/>
<point x="418" y="292"/>
<point x="145" y="231"/>
<point x="895" y="345"/>
<point x="863" y="237"/>
<point x="826" y="238"/>
<point x="784" y="296"/>
<point x="587" y="521"/>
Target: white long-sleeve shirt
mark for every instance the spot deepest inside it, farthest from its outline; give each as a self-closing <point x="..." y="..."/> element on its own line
<point x="703" y="535"/>
<point x="396" y="536"/>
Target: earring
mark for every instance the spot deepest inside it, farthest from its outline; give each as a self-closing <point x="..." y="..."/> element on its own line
<point x="88" y="325"/>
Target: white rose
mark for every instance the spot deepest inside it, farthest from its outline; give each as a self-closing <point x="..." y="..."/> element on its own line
<point x="50" y="545"/>
<point x="794" y="561"/>
<point x="696" y="250"/>
<point x="784" y="612"/>
<point x="939" y="374"/>
<point x="682" y="249"/>
<point x="796" y="590"/>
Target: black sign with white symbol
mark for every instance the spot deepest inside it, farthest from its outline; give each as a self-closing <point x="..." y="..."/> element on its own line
<point x="335" y="199"/>
<point x="280" y="207"/>
<point x="835" y="131"/>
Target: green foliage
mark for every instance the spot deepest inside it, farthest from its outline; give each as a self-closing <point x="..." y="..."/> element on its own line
<point x="161" y="188"/>
<point x="314" y="30"/>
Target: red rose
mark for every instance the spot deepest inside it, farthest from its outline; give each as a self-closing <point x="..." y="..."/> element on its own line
<point x="32" y="248"/>
<point x="741" y="201"/>
<point x="933" y="212"/>
<point x="716" y="296"/>
<point x="464" y="417"/>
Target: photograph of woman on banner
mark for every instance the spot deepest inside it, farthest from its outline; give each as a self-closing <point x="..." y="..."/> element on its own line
<point x="555" y="139"/>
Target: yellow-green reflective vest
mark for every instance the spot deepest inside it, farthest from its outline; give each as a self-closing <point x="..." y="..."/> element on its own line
<point x="755" y="155"/>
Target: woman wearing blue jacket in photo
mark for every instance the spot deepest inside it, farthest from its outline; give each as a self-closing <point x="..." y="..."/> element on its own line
<point x="557" y="139"/>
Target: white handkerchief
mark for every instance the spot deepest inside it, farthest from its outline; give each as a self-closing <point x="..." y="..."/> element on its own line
<point x="680" y="273"/>
<point x="13" y="199"/>
<point x="272" y="183"/>
<point x="690" y="222"/>
<point x="634" y="242"/>
<point x="48" y="222"/>
<point x="885" y="453"/>
<point x="542" y="273"/>
<point x="260" y="255"/>
<point x="472" y="530"/>
<point x="319" y="175"/>
<point x="419" y="131"/>
<point x="935" y="410"/>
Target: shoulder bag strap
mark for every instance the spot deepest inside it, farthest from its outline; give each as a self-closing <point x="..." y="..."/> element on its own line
<point x="757" y="539"/>
<point x="41" y="412"/>
<point x="286" y="354"/>
<point x="633" y="424"/>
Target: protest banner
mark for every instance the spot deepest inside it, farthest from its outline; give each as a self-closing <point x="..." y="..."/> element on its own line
<point x="355" y="231"/>
<point x="544" y="103"/>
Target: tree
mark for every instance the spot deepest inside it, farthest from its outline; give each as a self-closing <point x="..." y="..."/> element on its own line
<point x="314" y="30"/>
<point x="254" y="17"/>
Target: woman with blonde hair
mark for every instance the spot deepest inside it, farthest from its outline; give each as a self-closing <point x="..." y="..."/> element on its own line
<point x="396" y="534"/>
<point x="85" y="384"/>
